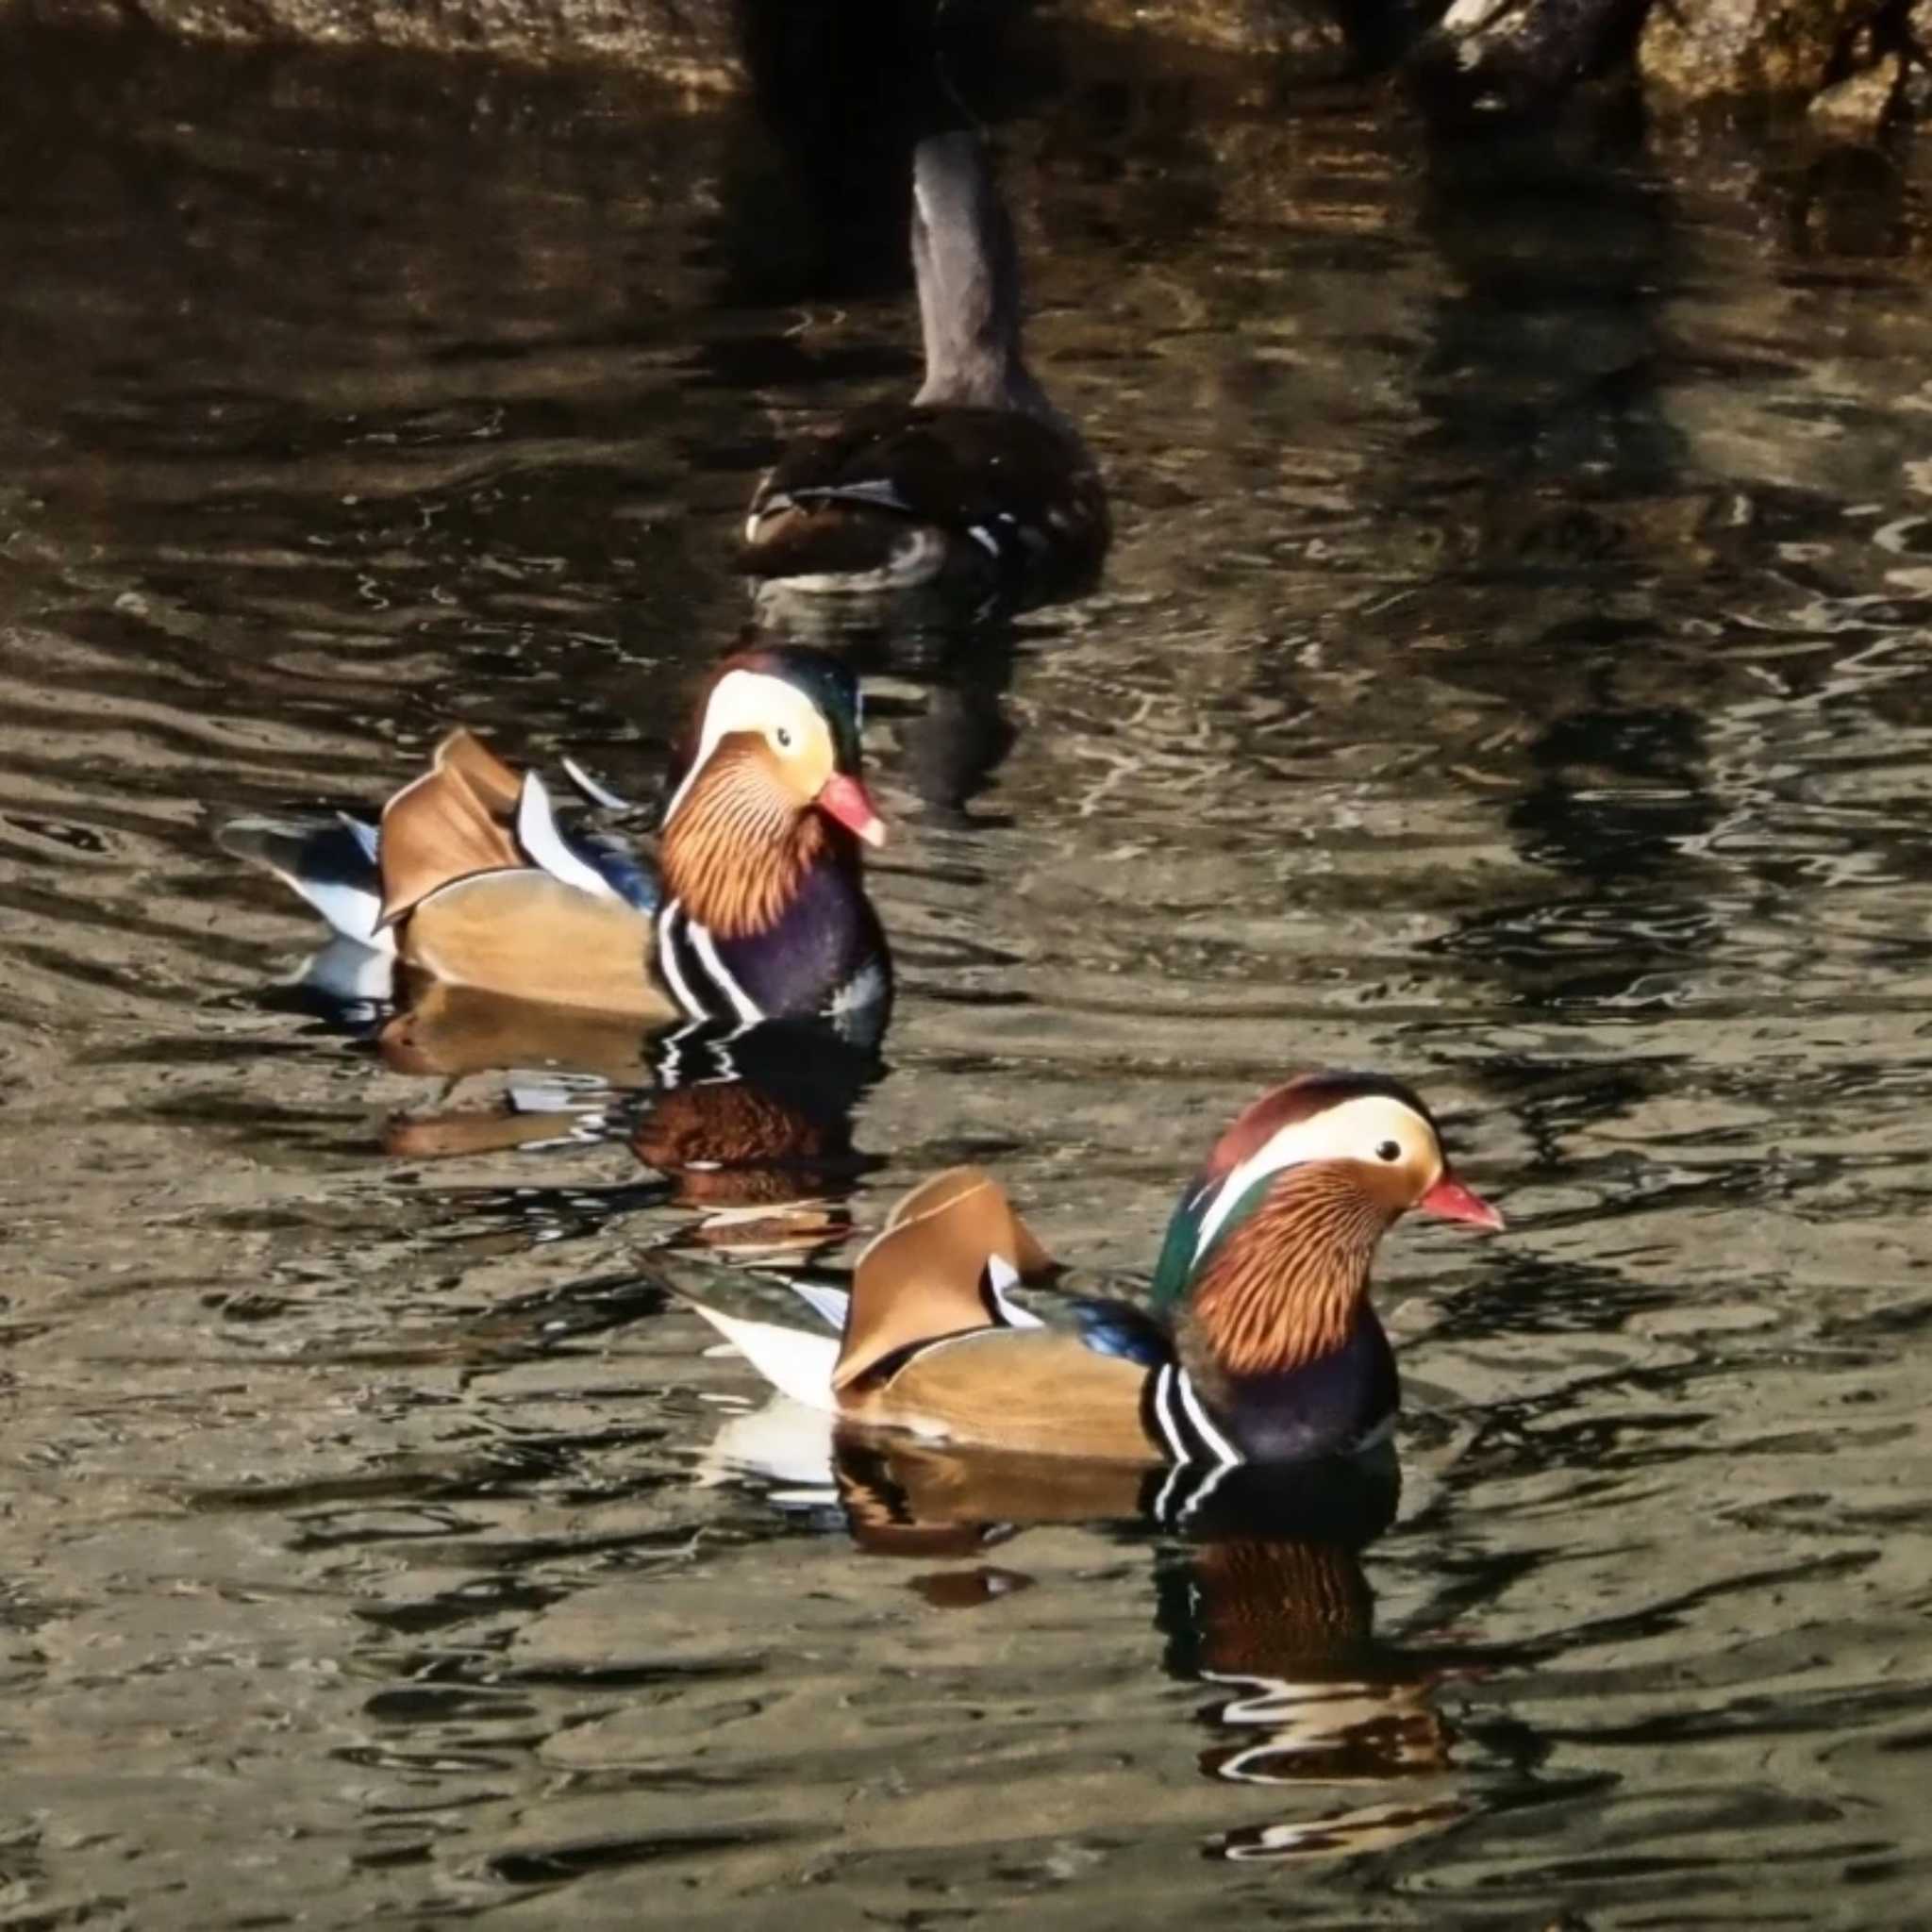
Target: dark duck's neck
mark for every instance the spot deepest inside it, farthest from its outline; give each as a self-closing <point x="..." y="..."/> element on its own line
<point x="1277" y="1333"/>
<point x="968" y="271"/>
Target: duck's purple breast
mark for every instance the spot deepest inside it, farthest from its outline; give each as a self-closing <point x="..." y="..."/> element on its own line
<point x="825" y="958"/>
<point x="1326" y="1407"/>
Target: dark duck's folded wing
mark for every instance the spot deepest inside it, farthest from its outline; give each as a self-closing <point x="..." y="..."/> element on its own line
<point x="901" y="495"/>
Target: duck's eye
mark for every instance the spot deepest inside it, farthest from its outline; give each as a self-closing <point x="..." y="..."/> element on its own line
<point x="781" y="737"/>
<point x="1387" y="1151"/>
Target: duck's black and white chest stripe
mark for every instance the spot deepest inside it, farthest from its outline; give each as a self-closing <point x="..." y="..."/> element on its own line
<point x="824" y="959"/>
<point x="1178" y="1421"/>
<point x="1201" y="1454"/>
<point x="696" y="973"/>
<point x="1341" y="1405"/>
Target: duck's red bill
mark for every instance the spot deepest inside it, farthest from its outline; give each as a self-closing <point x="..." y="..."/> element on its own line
<point x="843" y="798"/>
<point x="1454" y="1202"/>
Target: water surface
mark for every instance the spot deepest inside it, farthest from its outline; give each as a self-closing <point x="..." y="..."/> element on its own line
<point x="1511" y="671"/>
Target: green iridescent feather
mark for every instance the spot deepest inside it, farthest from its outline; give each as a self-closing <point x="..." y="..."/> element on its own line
<point x="1174" y="1272"/>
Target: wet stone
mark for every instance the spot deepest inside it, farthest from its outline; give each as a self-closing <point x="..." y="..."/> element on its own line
<point x="1858" y="106"/>
<point x="1718" y="48"/>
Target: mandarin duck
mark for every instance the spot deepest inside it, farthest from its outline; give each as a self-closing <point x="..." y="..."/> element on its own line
<point x="1261" y="1346"/>
<point x="979" y="484"/>
<point x="754" y="910"/>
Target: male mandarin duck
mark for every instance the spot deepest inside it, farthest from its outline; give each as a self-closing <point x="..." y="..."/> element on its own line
<point x="755" y="910"/>
<point x="981" y="481"/>
<point x="1262" y="1347"/>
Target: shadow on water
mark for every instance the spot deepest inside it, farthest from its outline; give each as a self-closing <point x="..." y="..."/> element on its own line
<point x="1586" y="499"/>
<point x="1509" y="671"/>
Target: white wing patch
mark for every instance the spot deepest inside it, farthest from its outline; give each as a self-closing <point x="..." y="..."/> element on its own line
<point x="879" y="491"/>
<point x="1000" y="1275"/>
<point x="597" y="793"/>
<point x="864" y="988"/>
<point x="352" y="906"/>
<point x="795" y="1363"/>
<point x="827" y="1304"/>
<point x="351" y="970"/>
<point x="538" y="835"/>
<point x="365" y="836"/>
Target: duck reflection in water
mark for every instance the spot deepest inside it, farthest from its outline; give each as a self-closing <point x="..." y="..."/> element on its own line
<point x="751" y="1128"/>
<point x="1283" y="1631"/>
<point x="1259" y="1590"/>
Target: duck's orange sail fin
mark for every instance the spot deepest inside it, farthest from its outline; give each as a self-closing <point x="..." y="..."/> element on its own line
<point x="1013" y="1239"/>
<point x="453" y="821"/>
<point x="927" y="1274"/>
<point x="465" y="754"/>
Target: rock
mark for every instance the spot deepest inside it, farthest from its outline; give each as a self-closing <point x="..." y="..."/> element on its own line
<point x="1708" y="49"/>
<point x="1517" y="53"/>
<point x="1915" y="89"/>
<point x="1859" y="106"/>
<point x="1295" y="28"/>
<point x="694" y="44"/>
<point x="691" y="43"/>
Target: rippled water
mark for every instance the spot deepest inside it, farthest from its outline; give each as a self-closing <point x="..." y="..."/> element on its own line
<point x="1512" y="671"/>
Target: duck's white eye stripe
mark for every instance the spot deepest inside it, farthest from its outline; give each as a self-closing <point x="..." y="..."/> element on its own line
<point x="1336" y="1132"/>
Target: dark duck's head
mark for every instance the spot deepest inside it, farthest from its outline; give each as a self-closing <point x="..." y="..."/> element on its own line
<point x="968" y="271"/>
<point x="772" y="789"/>
<point x="1266" y="1262"/>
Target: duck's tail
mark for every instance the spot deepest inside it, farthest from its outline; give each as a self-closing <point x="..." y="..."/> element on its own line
<point x="329" y="860"/>
<point x="793" y="1362"/>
